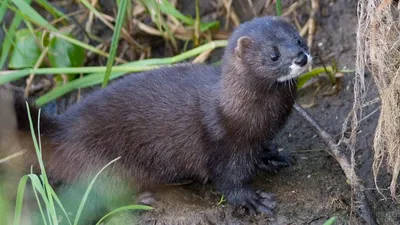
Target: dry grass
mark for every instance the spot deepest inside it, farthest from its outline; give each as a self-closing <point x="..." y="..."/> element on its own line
<point x="378" y="49"/>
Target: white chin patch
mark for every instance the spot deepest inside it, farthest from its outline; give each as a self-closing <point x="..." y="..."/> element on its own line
<point x="295" y="70"/>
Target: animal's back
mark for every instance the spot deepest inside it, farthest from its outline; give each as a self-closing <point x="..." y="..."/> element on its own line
<point x="153" y="120"/>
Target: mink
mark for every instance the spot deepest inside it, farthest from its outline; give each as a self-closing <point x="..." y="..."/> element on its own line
<point x="187" y="121"/>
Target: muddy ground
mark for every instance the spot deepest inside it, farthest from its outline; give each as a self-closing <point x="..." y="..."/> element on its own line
<point x="315" y="188"/>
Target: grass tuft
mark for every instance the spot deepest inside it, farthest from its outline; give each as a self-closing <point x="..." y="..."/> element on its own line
<point x="45" y="193"/>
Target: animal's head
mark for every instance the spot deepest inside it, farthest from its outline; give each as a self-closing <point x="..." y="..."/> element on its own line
<point x="270" y="49"/>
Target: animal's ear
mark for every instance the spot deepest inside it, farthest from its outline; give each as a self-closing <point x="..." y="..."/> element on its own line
<point x="243" y="44"/>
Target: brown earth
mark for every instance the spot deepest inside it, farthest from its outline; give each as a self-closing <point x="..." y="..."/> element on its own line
<point x="315" y="188"/>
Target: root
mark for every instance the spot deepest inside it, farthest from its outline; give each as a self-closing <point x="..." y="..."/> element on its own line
<point x="363" y="208"/>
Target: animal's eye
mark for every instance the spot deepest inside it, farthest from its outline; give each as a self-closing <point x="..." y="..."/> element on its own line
<point x="274" y="57"/>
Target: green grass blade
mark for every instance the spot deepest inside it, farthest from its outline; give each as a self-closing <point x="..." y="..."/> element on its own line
<point x="35" y="143"/>
<point x="208" y="26"/>
<point x="86" y="81"/>
<point x="50" y="207"/>
<point x="302" y="79"/>
<point x="81" y="44"/>
<point x="63" y="36"/>
<point x="331" y="221"/>
<point x="39" y="20"/>
<point x="6" y="46"/>
<point x="91" y="8"/>
<point x="98" y="72"/>
<point x="60" y="204"/>
<point x="17" y="74"/>
<point x="167" y="8"/>
<point x="4" y="205"/>
<point x="129" y="207"/>
<point x="19" y="200"/>
<point x="85" y="196"/>
<point x="3" y="9"/>
<point x="137" y="66"/>
<point x="50" y="8"/>
<point x="115" y="40"/>
<point x="31" y="13"/>
<point x="38" y="188"/>
<point x="278" y="7"/>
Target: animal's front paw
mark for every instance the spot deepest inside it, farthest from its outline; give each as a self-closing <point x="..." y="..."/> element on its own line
<point x="272" y="159"/>
<point x="254" y="201"/>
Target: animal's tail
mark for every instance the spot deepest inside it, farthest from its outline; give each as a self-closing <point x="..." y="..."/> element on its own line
<point x="16" y="143"/>
<point x="47" y="123"/>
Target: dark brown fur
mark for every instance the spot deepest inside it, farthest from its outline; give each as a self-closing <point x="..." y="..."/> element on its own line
<point x="182" y="122"/>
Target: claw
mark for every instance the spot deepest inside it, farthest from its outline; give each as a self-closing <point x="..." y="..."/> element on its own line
<point x="253" y="201"/>
<point x="272" y="159"/>
<point x="250" y="207"/>
<point x="262" y="202"/>
<point x="266" y="195"/>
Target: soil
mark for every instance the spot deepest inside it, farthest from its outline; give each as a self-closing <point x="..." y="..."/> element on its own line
<point x="315" y="188"/>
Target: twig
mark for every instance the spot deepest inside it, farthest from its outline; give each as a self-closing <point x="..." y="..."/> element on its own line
<point x="369" y="115"/>
<point x="202" y="57"/>
<point x="312" y="23"/>
<point x="230" y="15"/>
<point x="358" y="189"/>
<point x="90" y="19"/>
<point x="8" y="158"/>
<point x="293" y="8"/>
<point x="38" y="63"/>
<point x="305" y="28"/>
<point x="228" y="7"/>
<point x="251" y="5"/>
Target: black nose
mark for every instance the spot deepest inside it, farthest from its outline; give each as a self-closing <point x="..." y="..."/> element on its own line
<point x="301" y="59"/>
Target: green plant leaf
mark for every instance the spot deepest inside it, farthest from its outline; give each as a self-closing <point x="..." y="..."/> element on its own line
<point x="65" y="54"/>
<point x="26" y="51"/>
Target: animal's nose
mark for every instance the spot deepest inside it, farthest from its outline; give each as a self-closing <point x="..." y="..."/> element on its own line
<point x="301" y="59"/>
